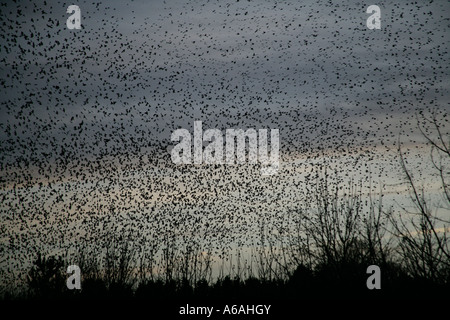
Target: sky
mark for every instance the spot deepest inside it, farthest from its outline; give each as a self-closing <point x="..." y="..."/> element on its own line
<point x="87" y="115"/>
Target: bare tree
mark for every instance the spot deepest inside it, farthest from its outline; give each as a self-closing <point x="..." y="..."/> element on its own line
<point x="120" y="260"/>
<point x="424" y="247"/>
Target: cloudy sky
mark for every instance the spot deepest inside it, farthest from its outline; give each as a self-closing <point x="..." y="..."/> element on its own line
<point x="86" y="115"/>
<point x="310" y="68"/>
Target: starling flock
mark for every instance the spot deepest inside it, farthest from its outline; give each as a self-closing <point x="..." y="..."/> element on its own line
<point x="86" y="115"/>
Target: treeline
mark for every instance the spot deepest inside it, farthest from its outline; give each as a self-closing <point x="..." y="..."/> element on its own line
<point x="337" y="239"/>
<point x="342" y="278"/>
<point x="322" y="249"/>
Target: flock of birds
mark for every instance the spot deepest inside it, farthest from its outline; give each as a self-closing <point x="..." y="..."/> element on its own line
<point x="86" y="115"/>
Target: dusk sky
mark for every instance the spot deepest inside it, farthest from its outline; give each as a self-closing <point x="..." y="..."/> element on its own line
<point x="86" y="115"/>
